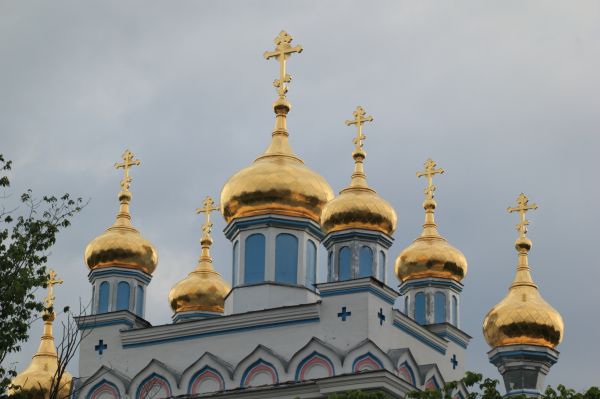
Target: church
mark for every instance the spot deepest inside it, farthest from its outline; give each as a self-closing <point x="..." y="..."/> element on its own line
<point x="274" y="331"/>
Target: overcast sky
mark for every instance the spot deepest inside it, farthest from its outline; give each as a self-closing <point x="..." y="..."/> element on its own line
<point x="503" y="95"/>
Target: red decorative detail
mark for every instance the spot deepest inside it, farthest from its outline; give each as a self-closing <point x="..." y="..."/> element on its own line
<point x="431" y="385"/>
<point x="146" y="391"/>
<point x="105" y="389"/>
<point x="404" y="373"/>
<point x="366" y="364"/>
<point x="316" y="360"/>
<point x="259" y="368"/>
<point x="207" y="375"/>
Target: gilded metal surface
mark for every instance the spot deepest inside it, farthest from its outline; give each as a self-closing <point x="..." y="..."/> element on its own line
<point x="523" y="317"/>
<point x="203" y="289"/>
<point x="358" y="206"/>
<point x="122" y="244"/>
<point x="430" y="255"/>
<point x="277" y="182"/>
<point x="36" y="380"/>
<point x="283" y="51"/>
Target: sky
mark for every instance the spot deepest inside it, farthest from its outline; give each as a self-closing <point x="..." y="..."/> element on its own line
<point x="502" y="94"/>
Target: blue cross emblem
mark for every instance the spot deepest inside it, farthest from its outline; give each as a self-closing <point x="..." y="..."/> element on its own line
<point x="100" y="347"/>
<point x="381" y="316"/>
<point x="343" y="314"/>
<point x="454" y="361"/>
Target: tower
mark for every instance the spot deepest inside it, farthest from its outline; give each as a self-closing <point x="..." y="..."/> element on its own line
<point x="523" y="329"/>
<point x="359" y="223"/>
<point x="430" y="269"/>
<point x="273" y="212"/>
<point x="120" y="260"/>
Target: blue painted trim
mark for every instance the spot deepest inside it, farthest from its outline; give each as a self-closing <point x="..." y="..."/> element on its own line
<point x="420" y="337"/>
<point x="120" y="272"/>
<point x="222" y="332"/>
<point x="366" y="235"/>
<point x="98" y="385"/>
<point x="309" y="358"/>
<point x="193" y="315"/>
<point x="199" y="372"/>
<point x="426" y="282"/>
<point x="272" y="221"/>
<point x="96" y="324"/>
<point x="410" y="371"/>
<point x="153" y="375"/>
<point x="366" y="355"/>
<point x="256" y="363"/>
<point x="453" y="338"/>
<point x="524" y="353"/>
<point x="345" y="291"/>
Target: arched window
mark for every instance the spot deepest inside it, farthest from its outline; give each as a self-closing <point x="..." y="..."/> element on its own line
<point x="454" y="310"/>
<point x="330" y="266"/>
<point x="439" y="306"/>
<point x="406" y="305"/>
<point x="344" y="264"/>
<point x="103" y="297"/>
<point x="123" y="294"/>
<point x="311" y="264"/>
<point x="139" y="300"/>
<point x="365" y="262"/>
<point x="235" y="256"/>
<point x="254" y="266"/>
<point x="382" y="266"/>
<point x="420" y="308"/>
<point x="286" y="259"/>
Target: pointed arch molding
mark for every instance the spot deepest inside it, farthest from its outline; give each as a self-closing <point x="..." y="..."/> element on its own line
<point x="407" y="373"/>
<point x="104" y="387"/>
<point x="432" y="384"/>
<point x="315" y="359"/>
<point x="206" y="373"/>
<point x="153" y="380"/>
<point x="258" y="367"/>
<point x="366" y="362"/>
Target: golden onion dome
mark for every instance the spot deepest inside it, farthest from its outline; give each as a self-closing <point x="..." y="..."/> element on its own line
<point x="358" y="206"/>
<point x="430" y="255"/>
<point x="122" y="245"/>
<point x="203" y="289"/>
<point x="277" y="182"/>
<point x="523" y="316"/>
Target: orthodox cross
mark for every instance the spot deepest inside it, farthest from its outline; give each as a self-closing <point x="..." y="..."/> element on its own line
<point x="522" y="207"/>
<point x="454" y="361"/>
<point x="359" y="120"/>
<point x="52" y="281"/>
<point x="381" y="316"/>
<point x="430" y="171"/>
<point x="128" y="162"/>
<point x="100" y="347"/>
<point x="283" y="50"/>
<point x="344" y="314"/>
<point x="209" y="206"/>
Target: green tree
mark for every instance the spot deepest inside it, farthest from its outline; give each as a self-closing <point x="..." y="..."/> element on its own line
<point x="28" y="228"/>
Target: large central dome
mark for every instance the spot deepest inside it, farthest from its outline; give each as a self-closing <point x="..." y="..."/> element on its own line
<point x="277" y="182"/>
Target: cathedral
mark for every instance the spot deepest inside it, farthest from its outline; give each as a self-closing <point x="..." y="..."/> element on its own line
<point x="275" y="331"/>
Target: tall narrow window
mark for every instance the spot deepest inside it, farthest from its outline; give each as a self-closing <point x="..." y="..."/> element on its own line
<point x="420" y="308"/>
<point x="439" y="307"/>
<point x="286" y="259"/>
<point x="344" y="264"/>
<point x="104" y="292"/>
<point x="254" y="265"/>
<point x="382" y="266"/>
<point x="406" y="305"/>
<point x="311" y="264"/>
<point x="123" y="294"/>
<point x="454" y="310"/>
<point x="235" y="257"/>
<point x="139" y="301"/>
<point x="365" y="262"/>
<point x="330" y="266"/>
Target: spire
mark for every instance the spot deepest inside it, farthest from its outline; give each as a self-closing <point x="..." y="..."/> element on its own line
<point x="279" y="143"/>
<point x="47" y="348"/>
<point x="429" y="204"/>
<point x="205" y="261"/>
<point x="359" y="178"/>
<point x="123" y="217"/>
<point x="522" y="244"/>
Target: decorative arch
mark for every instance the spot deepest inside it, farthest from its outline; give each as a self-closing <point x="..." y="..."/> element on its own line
<point x="406" y="373"/>
<point x="312" y="361"/>
<point x="366" y="362"/>
<point x="344" y="264"/>
<point x="204" y="376"/>
<point x="104" y="390"/>
<point x="259" y="367"/>
<point x="153" y="387"/>
<point x="432" y="384"/>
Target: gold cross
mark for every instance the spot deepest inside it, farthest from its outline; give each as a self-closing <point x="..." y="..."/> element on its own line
<point x="52" y="281"/>
<point x="128" y="161"/>
<point x="359" y="120"/>
<point x="283" y="50"/>
<point x="430" y="171"/>
<point x="209" y="206"/>
<point x="522" y="207"/>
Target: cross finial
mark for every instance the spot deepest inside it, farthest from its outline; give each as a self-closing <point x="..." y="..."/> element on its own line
<point x="522" y="207"/>
<point x="359" y="120"/>
<point x="430" y="171"/>
<point x="209" y="206"/>
<point x="51" y="282"/>
<point x="283" y="50"/>
<point x="128" y="161"/>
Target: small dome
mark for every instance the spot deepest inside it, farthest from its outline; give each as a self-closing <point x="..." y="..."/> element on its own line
<point x="277" y="182"/>
<point x="122" y="245"/>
